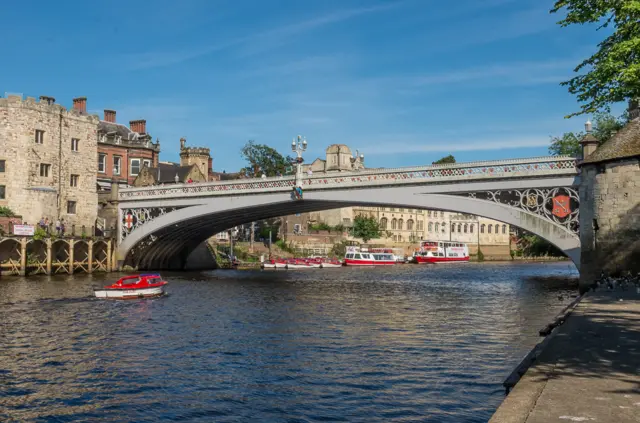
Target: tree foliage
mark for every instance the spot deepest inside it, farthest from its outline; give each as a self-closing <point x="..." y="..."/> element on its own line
<point x="530" y="245"/>
<point x="6" y="212"/>
<point x="263" y="159"/>
<point x="604" y="125"/>
<point x="445" y="160"/>
<point x="365" y="227"/>
<point x="612" y="74"/>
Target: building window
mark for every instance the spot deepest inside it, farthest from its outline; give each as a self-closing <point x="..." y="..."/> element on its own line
<point x="489" y="228"/>
<point x="399" y="238"/>
<point x="459" y="227"/>
<point x="401" y="210"/>
<point x="2" y="192"/>
<point x="466" y="228"/>
<point x="497" y="228"/>
<point x="437" y="227"/>
<point x="394" y="224"/>
<point x="146" y="163"/>
<point x="441" y="214"/>
<point x="2" y="164"/>
<point x="504" y="229"/>
<point x="400" y="224"/>
<point x="71" y="207"/>
<point x="102" y="162"/>
<point x="75" y="143"/>
<point x="117" y="164"/>
<point x="453" y="227"/>
<point x="471" y="228"/>
<point x="392" y="209"/>
<point x="444" y="227"/>
<point x="482" y="228"/>
<point x="410" y="224"/>
<point x="134" y="169"/>
<point x="73" y="182"/>
<point x="395" y="237"/>
<point x="39" y="136"/>
<point x="429" y="213"/>
<point x="430" y="226"/>
<point x="420" y="225"/>
<point x="346" y="221"/>
<point x="383" y="223"/>
<point x="45" y="169"/>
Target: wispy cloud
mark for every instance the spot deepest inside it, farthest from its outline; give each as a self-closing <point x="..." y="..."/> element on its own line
<point x="431" y="145"/>
<point x="253" y="43"/>
<point x="526" y="73"/>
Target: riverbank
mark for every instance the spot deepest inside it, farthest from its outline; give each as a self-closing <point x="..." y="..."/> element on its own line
<point x="589" y="368"/>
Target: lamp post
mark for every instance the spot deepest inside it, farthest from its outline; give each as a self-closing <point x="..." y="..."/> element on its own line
<point x="298" y="146"/>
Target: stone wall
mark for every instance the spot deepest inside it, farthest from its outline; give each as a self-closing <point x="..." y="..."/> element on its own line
<point x="610" y="219"/>
<point x="28" y="192"/>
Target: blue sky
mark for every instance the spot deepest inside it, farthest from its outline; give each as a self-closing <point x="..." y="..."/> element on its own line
<point x="405" y="82"/>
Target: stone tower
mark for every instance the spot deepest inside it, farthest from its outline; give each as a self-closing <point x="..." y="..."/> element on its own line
<point x="338" y="158"/>
<point x="199" y="156"/>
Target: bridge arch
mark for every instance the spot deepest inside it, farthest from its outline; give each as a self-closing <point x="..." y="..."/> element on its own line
<point x="168" y="239"/>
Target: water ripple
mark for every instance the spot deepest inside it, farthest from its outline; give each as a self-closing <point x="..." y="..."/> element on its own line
<point x="408" y="343"/>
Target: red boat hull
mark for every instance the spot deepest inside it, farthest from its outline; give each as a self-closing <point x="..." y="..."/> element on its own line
<point x="420" y="259"/>
<point x="352" y="262"/>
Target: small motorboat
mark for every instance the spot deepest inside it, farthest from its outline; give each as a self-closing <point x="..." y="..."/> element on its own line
<point x="133" y="287"/>
<point x="331" y="263"/>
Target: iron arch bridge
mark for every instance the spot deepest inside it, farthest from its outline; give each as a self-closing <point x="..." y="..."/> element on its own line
<point x="160" y="226"/>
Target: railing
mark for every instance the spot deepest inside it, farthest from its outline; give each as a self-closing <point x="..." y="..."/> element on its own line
<point x="517" y="168"/>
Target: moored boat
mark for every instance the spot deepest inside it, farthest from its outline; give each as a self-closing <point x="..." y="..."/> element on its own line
<point x="357" y="257"/>
<point x="133" y="287"/>
<point x="441" y="252"/>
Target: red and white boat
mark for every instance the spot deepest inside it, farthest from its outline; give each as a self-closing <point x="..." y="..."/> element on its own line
<point x="441" y="252"/>
<point x="133" y="287"/>
<point x="357" y="257"/>
<point x="300" y="264"/>
<point x="328" y="263"/>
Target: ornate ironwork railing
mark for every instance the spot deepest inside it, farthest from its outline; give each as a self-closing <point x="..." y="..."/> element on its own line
<point x="517" y="168"/>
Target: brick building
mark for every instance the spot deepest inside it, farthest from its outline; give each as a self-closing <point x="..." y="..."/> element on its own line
<point x="123" y="151"/>
<point x="47" y="160"/>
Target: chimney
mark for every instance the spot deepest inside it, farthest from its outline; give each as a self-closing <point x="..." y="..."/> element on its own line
<point x="210" y="164"/>
<point x="589" y="142"/>
<point x="182" y="142"/>
<point x="139" y="126"/>
<point x="634" y="109"/>
<point x="48" y="100"/>
<point x="80" y="104"/>
<point x="110" y="116"/>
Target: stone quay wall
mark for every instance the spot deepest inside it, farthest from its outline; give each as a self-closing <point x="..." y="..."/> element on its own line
<point x="610" y="219"/>
<point x="43" y="172"/>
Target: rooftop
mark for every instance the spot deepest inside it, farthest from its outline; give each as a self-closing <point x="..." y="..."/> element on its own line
<point x="624" y="144"/>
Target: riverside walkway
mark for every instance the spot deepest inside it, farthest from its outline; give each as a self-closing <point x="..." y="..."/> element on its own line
<point x="590" y="369"/>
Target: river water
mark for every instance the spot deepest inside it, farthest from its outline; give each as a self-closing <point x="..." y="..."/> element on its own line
<point x="406" y="343"/>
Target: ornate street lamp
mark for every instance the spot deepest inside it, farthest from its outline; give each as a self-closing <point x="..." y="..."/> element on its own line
<point x="299" y="146"/>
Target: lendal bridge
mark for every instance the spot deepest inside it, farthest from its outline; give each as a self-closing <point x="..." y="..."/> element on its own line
<point x="159" y="226"/>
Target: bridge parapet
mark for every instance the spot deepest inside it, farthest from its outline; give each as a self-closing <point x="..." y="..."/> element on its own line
<point x="482" y="170"/>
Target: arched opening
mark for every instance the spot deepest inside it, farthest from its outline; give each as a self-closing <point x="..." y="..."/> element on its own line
<point x="59" y="256"/>
<point x="383" y="223"/>
<point x="100" y="256"/>
<point x="169" y="237"/>
<point x="36" y="257"/>
<point x="80" y="256"/>
<point x="10" y="256"/>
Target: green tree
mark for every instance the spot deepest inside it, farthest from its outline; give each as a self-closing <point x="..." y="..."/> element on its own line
<point x="604" y="125"/>
<point x="445" y="160"/>
<point x="365" y="227"/>
<point x="612" y="74"/>
<point x="263" y="159"/>
<point x="6" y="212"/>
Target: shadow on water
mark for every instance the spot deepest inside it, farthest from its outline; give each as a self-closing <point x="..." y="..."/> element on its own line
<point x="406" y="343"/>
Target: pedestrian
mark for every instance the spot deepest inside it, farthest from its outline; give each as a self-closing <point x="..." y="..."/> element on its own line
<point x="58" y="227"/>
<point x="62" y="228"/>
<point x="41" y="223"/>
<point x="309" y="172"/>
<point x="264" y="176"/>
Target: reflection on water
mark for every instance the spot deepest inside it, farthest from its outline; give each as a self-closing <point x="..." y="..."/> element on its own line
<point x="407" y="343"/>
